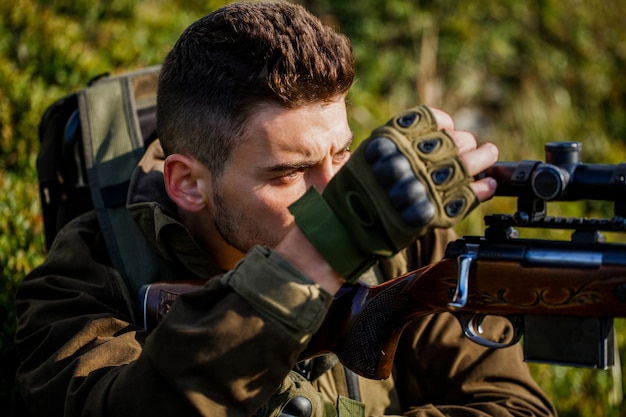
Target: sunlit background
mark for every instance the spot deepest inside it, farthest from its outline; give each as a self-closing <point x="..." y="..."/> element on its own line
<point x="517" y="73"/>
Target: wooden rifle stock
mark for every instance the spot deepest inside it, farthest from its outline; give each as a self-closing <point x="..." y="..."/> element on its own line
<point x="364" y="324"/>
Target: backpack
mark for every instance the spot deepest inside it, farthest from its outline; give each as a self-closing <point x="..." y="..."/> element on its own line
<point x="90" y="143"/>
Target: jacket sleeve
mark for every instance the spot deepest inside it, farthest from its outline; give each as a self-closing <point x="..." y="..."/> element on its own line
<point x="216" y="353"/>
<point x="440" y="372"/>
<point x="445" y="374"/>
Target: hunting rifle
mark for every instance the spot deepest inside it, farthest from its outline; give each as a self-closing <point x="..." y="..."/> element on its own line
<point x="561" y="295"/>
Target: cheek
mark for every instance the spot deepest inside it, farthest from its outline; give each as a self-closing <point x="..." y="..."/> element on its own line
<point x="276" y="202"/>
<point x="265" y="203"/>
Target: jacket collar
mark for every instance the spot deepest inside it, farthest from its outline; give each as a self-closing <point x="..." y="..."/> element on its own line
<point x="155" y="214"/>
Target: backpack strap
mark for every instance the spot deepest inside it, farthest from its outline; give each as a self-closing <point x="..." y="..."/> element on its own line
<point x="113" y="142"/>
<point x="50" y="161"/>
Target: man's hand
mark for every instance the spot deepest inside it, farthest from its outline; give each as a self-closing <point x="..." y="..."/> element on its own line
<point x="408" y="177"/>
<point x="476" y="159"/>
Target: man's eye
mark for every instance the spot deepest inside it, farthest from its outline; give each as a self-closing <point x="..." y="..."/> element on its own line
<point x="290" y="176"/>
<point x="343" y="155"/>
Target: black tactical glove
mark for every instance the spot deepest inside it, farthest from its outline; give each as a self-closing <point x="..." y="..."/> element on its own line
<point x="402" y="181"/>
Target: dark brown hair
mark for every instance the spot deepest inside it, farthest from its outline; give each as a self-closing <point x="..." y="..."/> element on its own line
<point x="240" y="56"/>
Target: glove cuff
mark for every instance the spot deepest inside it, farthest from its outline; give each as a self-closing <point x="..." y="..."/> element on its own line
<point x="325" y="231"/>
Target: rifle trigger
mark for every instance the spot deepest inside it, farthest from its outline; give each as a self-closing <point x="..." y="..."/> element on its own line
<point x="464" y="261"/>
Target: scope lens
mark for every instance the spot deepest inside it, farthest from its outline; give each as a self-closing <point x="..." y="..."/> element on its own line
<point x="547" y="183"/>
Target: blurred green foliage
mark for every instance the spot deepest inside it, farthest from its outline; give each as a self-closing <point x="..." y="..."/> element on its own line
<point x="516" y="73"/>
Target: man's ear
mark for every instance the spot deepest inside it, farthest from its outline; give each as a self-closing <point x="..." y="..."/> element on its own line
<point x="184" y="177"/>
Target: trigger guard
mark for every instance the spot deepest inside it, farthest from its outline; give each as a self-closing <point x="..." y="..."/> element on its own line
<point x="471" y="324"/>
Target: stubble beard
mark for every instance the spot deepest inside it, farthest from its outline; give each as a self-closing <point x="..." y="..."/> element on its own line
<point x="239" y="228"/>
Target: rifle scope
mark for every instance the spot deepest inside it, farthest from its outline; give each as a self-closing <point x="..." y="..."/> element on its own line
<point x="562" y="177"/>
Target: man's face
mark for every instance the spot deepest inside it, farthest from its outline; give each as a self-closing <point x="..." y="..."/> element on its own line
<point x="284" y="152"/>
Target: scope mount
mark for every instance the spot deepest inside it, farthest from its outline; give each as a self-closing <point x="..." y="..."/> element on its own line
<point x="521" y="219"/>
<point x="504" y="226"/>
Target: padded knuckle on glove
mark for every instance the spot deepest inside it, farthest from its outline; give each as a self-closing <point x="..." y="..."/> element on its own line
<point x="435" y="162"/>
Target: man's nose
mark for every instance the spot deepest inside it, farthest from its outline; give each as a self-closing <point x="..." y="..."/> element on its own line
<point x="323" y="174"/>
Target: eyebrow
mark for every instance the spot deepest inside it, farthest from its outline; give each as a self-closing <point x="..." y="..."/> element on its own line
<point x="292" y="166"/>
<point x="288" y="166"/>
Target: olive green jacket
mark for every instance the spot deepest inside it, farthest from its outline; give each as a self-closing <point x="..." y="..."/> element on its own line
<point x="223" y="350"/>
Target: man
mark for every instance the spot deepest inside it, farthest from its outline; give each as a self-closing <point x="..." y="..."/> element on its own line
<point x="261" y="197"/>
